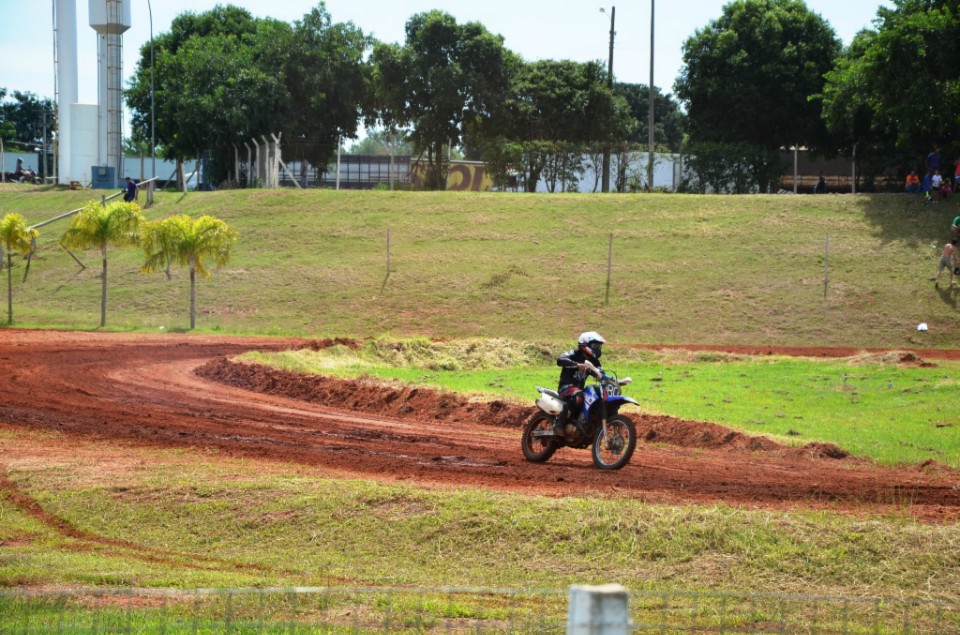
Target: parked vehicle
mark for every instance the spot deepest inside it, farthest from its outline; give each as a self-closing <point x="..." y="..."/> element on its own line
<point x="612" y="436"/>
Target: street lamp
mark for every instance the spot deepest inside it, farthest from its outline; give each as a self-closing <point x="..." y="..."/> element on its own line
<point x="153" y="123"/>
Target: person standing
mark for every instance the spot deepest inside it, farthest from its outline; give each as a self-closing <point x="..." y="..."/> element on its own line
<point x="948" y="260"/>
<point x="933" y="159"/>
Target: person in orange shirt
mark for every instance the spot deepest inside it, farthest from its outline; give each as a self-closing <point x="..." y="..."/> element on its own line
<point x="913" y="182"/>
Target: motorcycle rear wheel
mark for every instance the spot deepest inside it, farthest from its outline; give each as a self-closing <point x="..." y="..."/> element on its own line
<point x="538" y="449"/>
<point x="613" y="451"/>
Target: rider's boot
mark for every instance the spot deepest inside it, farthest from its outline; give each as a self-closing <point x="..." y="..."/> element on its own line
<point x="560" y="423"/>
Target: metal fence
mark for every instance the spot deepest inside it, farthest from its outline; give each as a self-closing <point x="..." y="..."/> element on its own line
<point x="398" y="610"/>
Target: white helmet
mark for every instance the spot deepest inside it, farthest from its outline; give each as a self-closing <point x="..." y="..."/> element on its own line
<point x="590" y="343"/>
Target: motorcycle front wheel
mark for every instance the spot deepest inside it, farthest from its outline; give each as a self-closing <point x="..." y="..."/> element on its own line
<point x="538" y="442"/>
<point x="613" y="450"/>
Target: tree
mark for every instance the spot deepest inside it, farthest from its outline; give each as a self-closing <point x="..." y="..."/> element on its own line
<point x="553" y="108"/>
<point x="445" y="77"/>
<point x="188" y="242"/>
<point x="99" y="226"/>
<point x="223" y="77"/>
<point x="748" y="78"/>
<point x="896" y="92"/>
<point x="669" y="121"/>
<point x="14" y="236"/>
<point x="24" y="116"/>
<point x="329" y="82"/>
<point x="382" y="143"/>
<point x="216" y="84"/>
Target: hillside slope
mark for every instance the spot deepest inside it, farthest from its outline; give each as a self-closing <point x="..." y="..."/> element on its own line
<point x="684" y="269"/>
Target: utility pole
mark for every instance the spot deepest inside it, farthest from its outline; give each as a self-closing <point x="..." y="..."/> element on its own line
<point x="650" y="108"/>
<point x="605" y="186"/>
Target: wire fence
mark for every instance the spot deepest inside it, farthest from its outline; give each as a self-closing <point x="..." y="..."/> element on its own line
<point x="397" y="610"/>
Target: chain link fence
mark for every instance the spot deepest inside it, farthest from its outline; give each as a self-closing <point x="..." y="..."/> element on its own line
<point x="398" y="610"/>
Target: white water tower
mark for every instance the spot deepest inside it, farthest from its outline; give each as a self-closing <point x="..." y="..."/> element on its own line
<point x="110" y="18"/>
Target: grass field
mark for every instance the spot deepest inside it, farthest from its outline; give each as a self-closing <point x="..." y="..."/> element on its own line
<point x="191" y="519"/>
<point x="684" y="269"/>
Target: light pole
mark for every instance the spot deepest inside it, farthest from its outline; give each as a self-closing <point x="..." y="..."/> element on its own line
<point x="153" y="133"/>
<point x="650" y="107"/>
<point x="605" y="184"/>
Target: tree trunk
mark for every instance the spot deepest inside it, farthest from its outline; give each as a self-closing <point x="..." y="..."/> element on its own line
<point x="193" y="293"/>
<point x="9" y="287"/>
<point x="103" y="289"/>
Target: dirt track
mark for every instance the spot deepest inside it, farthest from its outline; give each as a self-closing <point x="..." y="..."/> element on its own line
<point x="146" y="389"/>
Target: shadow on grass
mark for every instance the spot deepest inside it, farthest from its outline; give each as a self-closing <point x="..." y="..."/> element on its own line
<point x="906" y="218"/>
<point x="948" y="294"/>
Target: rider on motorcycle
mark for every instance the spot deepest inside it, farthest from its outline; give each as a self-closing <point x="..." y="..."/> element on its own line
<point x="577" y="364"/>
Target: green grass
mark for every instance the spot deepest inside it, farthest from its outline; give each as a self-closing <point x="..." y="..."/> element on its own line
<point x="685" y="269"/>
<point x="869" y="405"/>
<point x="183" y="520"/>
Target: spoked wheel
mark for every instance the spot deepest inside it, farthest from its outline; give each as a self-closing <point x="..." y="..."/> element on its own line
<point x="538" y="442"/>
<point x="613" y="450"/>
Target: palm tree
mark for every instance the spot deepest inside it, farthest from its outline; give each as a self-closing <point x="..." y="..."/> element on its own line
<point x="14" y="236"/>
<point x="188" y="242"/>
<point x="116" y="224"/>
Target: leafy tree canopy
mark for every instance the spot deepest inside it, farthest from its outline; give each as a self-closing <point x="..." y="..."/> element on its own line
<point x="749" y="76"/>
<point x="223" y="77"/>
<point x="444" y="78"/>
<point x="669" y="121"/>
<point x="896" y="88"/>
<point x="22" y="117"/>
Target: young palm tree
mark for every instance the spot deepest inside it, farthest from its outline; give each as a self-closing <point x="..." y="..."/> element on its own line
<point x="188" y="242"/>
<point x="14" y="236"/>
<point x="116" y="224"/>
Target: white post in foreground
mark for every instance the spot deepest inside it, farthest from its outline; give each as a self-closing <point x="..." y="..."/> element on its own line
<point x="598" y="610"/>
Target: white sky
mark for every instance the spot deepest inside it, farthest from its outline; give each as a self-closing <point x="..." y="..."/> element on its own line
<point x="536" y="29"/>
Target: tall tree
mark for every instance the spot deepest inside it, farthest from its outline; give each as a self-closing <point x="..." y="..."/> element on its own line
<point x="14" y="236"/>
<point x="329" y="83"/>
<point x="100" y="226"/>
<point x="188" y="242"/>
<point x="554" y="108"/>
<point x="216" y="84"/>
<point x="669" y="121"/>
<point x="897" y="85"/>
<point x="22" y="116"/>
<point x="748" y="77"/>
<point x="445" y="77"/>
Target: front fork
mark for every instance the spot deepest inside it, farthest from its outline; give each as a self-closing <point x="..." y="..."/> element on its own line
<point x="603" y="412"/>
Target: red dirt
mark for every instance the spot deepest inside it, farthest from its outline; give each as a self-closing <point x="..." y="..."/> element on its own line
<point x="180" y="391"/>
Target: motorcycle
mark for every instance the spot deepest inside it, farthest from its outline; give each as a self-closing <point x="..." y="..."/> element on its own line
<point x="598" y="424"/>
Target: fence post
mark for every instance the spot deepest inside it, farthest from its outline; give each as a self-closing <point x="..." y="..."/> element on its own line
<point x="609" y="267"/>
<point x="598" y="610"/>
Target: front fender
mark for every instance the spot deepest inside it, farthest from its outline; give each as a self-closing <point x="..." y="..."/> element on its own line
<point x="620" y="399"/>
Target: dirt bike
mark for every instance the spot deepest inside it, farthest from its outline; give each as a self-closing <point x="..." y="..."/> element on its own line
<point x="598" y="424"/>
<point x="26" y="175"/>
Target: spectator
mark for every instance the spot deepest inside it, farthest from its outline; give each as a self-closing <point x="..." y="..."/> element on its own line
<point x="927" y="187"/>
<point x="935" y="182"/>
<point x="956" y="171"/>
<point x="933" y="160"/>
<point x="821" y="186"/>
<point x="948" y="260"/>
<point x="131" y="193"/>
<point x="913" y="183"/>
<point x="946" y="189"/>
